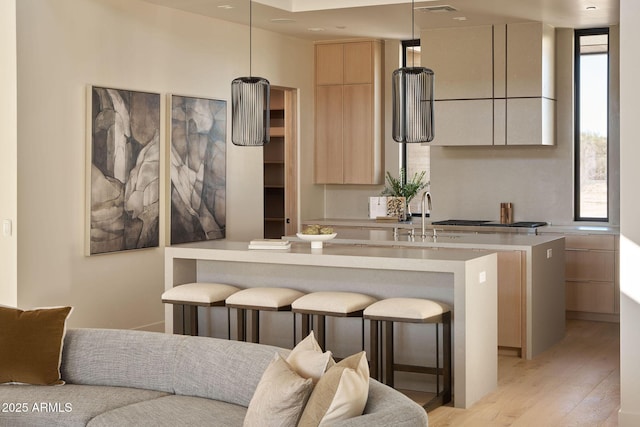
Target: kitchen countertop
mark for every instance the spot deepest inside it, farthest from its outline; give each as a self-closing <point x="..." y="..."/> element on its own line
<point x="458" y="240"/>
<point x="416" y="222"/>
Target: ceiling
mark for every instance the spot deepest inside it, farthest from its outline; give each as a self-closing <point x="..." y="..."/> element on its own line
<point x="391" y="19"/>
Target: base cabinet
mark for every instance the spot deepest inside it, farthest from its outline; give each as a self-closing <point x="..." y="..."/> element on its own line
<point x="511" y="299"/>
<point x="592" y="279"/>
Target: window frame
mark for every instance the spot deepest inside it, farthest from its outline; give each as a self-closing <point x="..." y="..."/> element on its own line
<point x="576" y="134"/>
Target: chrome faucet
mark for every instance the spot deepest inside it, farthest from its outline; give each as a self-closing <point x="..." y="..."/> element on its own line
<point x="426" y="196"/>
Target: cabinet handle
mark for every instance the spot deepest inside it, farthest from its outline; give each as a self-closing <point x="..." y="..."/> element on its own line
<point x="288" y="220"/>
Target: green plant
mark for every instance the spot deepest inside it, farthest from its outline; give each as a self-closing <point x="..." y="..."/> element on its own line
<point x="400" y="187"/>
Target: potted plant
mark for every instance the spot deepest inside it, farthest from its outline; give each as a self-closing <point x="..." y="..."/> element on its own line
<point x="401" y="187"/>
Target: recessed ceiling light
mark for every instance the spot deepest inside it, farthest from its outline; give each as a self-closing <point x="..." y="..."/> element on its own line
<point x="460" y="18"/>
<point x="315" y="29"/>
<point x="282" y="20"/>
<point x="225" y="6"/>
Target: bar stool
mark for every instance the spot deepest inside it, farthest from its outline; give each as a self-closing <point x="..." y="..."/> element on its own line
<point x="412" y="310"/>
<point x="260" y="299"/>
<point x="193" y="295"/>
<point x="334" y="304"/>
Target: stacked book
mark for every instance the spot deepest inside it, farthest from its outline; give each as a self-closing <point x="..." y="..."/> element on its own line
<point x="270" y="244"/>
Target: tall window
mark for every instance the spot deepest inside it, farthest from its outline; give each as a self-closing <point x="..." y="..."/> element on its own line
<point x="591" y="122"/>
<point x="414" y="158"/>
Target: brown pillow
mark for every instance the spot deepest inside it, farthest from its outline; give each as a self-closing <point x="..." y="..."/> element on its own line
<point x="31" y="345"/>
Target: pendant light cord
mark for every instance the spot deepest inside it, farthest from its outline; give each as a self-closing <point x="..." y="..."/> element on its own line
<point x="413" y="50"/>
<point x="251" y="32"/>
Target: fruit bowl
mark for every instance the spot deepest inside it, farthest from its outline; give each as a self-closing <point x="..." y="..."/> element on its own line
<point x="316" y="239"/>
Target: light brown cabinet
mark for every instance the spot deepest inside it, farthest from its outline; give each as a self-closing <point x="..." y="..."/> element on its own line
<point x="348" y="121"/>
<point x="592" y="284"/>
<point x="511" y="300"/>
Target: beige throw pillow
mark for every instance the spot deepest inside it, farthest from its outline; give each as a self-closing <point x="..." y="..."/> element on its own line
<point x="308" y="360"/>
<point x="279" y="398"/>
<point x="341" y="393"/>
<point x="31" y="345"/>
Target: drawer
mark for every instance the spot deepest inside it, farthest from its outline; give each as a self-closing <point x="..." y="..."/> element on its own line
<point x="593" y="297"/>
<point x="604" y="242"/>
<point x="587" y="266"/>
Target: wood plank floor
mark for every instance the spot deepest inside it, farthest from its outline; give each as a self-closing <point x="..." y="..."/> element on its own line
<point x="575" y="383"/>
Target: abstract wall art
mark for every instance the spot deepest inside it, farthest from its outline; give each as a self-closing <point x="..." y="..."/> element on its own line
<point x="198" y="169"/>
<point x="123" y="170"/>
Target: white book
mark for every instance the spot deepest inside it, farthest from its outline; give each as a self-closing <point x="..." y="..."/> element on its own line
<point x="269" y="244"/>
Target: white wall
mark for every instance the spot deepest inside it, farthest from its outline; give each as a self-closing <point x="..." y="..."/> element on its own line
<point x="65" y="45"/>
<point x="630" y="212"/>
<point x="8" y="153"/>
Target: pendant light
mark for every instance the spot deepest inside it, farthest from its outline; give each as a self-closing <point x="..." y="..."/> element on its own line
<point x="412" y="97"/>
<point x="250" y="105"/>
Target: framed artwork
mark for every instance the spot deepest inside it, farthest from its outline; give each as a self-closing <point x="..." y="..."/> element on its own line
<point x="198" y="169"/>
<point x="123" y="172"/>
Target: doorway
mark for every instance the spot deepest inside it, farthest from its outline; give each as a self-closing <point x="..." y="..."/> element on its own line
<point x="280" y="166"/>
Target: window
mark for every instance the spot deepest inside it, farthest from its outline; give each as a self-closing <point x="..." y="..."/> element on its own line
<point x="414" y="158"/>
<point x="591" y="124"/>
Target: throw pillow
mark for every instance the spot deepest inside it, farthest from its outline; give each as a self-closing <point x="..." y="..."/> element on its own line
<point x="279" y="398"/>
<point x="341" y="393"/>
<point x="308" y="360"/>
<point x="31" y="345"/>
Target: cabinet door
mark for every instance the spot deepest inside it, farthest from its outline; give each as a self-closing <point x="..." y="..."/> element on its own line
<point x="328" y="147"/>
<point x="531" y="121"/>
<point x="358" y="150"/>
<point x="358" y="63"/>
<point x="329" y="64"/>
<point x="530" y="60"/>
<point x="510" y="299"/>
<point x="462" y="61"/>
<point x="467" y="122"/>
<point x="598" y="266"/>
<point x="592" y="297"/>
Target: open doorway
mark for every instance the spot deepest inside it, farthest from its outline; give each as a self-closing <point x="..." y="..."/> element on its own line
<point x="280" y="166"/>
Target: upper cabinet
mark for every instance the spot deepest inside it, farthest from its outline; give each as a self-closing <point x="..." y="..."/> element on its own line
<point x="494" y="85"/>
<point x="348" y="139"/>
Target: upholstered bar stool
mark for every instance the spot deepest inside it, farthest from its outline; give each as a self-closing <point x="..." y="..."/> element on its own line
<point x="193" y="295"/>
<point x="260" y="299"/>
<point x="412" y="310"/>
<point x="334" y="304"/>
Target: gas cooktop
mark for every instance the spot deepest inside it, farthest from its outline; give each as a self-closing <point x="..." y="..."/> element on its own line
<point x="489" y="223"/>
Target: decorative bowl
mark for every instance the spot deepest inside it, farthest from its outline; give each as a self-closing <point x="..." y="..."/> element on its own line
<point x="316" y="239"/>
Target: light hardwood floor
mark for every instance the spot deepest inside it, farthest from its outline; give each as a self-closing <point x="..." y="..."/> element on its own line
<point x="575" y="383"/>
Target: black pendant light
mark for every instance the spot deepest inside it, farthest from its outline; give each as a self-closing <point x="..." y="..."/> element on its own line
<point x="412" y="97"/>
<point x="250" y="105"/>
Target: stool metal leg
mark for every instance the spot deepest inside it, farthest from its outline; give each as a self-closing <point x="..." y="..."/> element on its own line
<point x="446" y="354"/>
<point x="193" y="319"/>
<point x="241" y="327"/>
<point x="388" y="353"/>
<point x="255" y="325"/>
<point x="321" y="332"/>
<point x="374" y="348"/>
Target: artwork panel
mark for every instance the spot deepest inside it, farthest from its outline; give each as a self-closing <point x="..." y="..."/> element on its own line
<point x="124" y="171"/>
<point x="198" y="169"/>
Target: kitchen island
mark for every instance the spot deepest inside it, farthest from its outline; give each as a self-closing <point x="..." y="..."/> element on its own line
<point x="531" y="273"/>
<point x="466" y="280"/>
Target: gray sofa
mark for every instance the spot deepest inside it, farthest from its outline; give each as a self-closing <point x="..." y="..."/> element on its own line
<point x="134" y="378"/>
